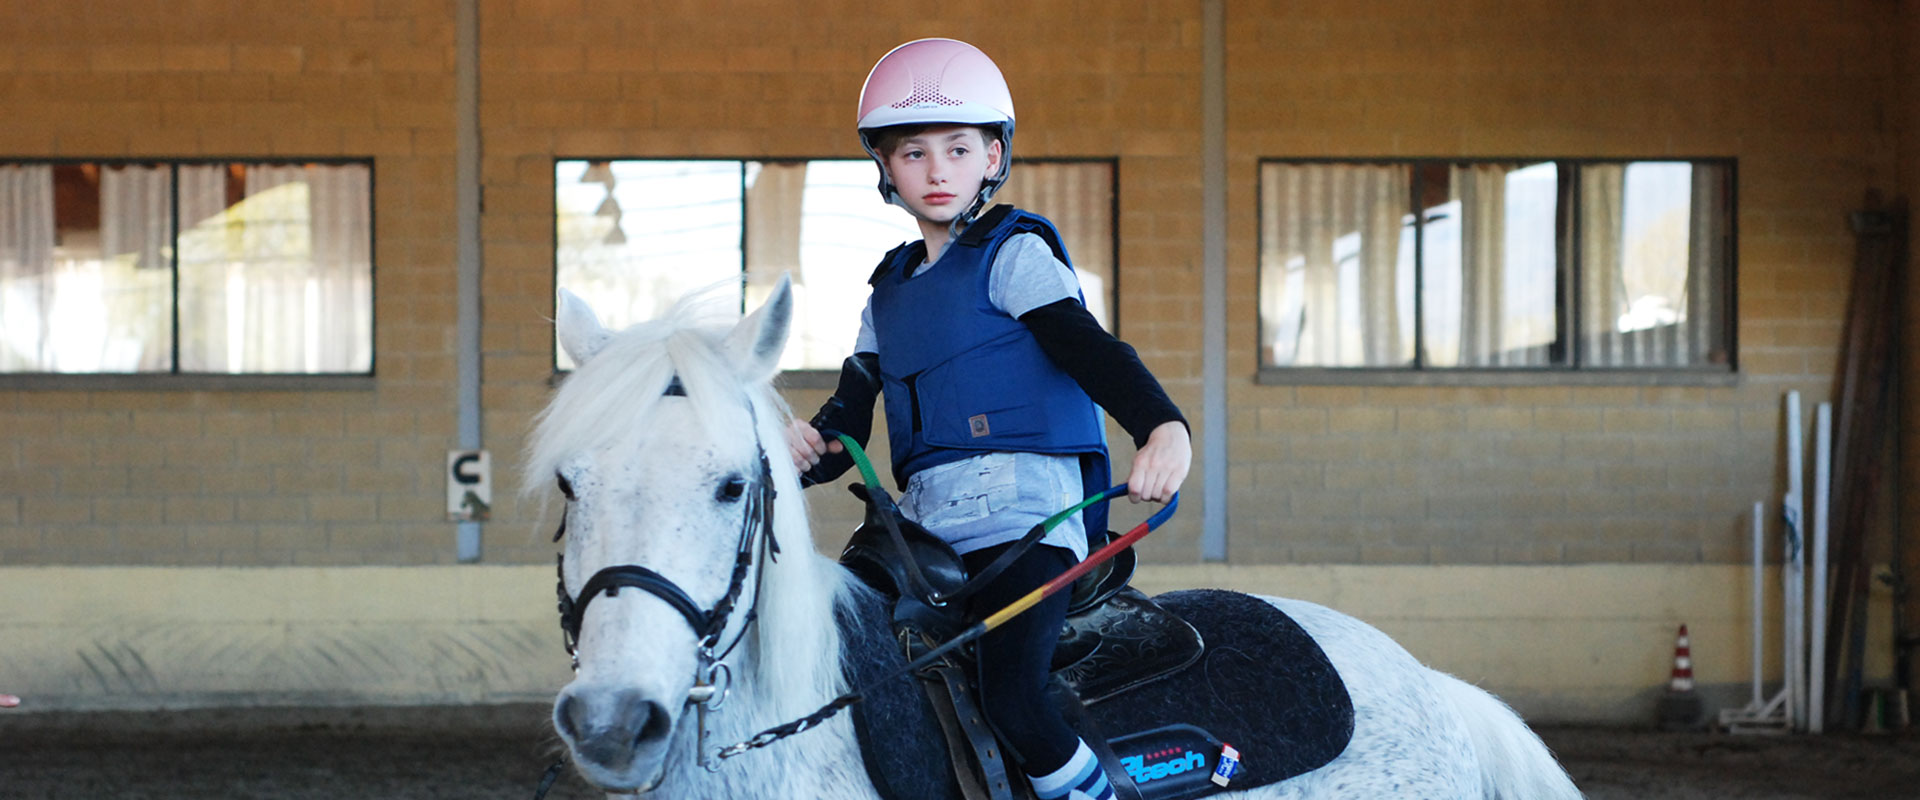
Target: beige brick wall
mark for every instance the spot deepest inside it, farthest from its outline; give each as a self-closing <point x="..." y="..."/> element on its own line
<point x="1800" y="95"/>
<point x="245" y="477"/>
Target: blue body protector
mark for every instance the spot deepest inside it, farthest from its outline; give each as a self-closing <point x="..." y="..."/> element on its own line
<point x="962" y="377"/>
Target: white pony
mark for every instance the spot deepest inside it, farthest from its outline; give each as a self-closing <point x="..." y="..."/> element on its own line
<point x="658" y="441"/>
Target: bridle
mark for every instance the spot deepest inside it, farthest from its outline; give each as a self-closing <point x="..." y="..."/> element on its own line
<point x="712" y="677"/>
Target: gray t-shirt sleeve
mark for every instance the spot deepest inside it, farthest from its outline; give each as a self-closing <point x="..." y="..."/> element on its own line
<point x="865" y="341"/>
<point x="1026" y="276"/>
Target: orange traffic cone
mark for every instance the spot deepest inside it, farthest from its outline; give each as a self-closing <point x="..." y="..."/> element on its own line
<point x="1680" y="708"/>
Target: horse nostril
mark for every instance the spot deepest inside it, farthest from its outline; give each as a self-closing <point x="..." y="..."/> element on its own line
<point x="653" y="725"/>
<point x="565" y="719"/>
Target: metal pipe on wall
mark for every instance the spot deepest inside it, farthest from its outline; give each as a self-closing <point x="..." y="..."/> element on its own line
<point x="467" y="205"/>
<point x="1213" y="297"/>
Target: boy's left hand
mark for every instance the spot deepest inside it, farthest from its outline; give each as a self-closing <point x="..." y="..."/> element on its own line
<point x="1160" y="465"/>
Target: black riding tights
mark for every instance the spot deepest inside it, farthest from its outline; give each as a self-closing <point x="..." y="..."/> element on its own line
<point x="1016" y="657"/>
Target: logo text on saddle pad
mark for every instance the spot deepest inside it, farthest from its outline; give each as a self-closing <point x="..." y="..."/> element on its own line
<point x="1142" y="772"/>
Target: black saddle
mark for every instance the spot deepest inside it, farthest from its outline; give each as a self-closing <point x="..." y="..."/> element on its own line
<point x="1133" y="675"/>
<point x="1115" y="637"/>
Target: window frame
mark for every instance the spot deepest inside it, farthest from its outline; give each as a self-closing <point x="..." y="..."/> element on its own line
<point x="819" y="377"/>
<point x="1567" y="293"/>
<point x="176" y="379"/>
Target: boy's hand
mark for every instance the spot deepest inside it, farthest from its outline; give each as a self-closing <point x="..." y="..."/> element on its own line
<point x="1160" y="465"/>
<point x="807" y="446"/>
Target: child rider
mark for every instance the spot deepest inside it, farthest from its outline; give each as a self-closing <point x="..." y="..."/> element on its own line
<point x="991" y="367"/>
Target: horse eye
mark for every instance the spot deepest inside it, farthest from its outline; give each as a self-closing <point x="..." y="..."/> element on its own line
<point x="566" y="486"/>
<point x="731" y="489"/>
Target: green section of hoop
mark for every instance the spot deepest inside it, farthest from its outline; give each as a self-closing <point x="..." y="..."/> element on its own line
<point x="1055" y="520"/>
<point x="860" y="460"/>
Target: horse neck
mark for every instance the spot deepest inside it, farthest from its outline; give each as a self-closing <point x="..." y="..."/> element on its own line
<point x="795" y="660"/>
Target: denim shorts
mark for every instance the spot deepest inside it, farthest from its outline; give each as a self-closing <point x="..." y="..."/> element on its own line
<point x="995" y="498"/>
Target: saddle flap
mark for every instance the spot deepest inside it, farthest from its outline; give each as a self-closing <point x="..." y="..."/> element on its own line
<point x="1125" y="642"/>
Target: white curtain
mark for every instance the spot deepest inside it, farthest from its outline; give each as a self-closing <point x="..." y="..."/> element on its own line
<point x="1653" y="264"/>
<point x="1507" y="272"/>
<point x="1333" y="288"/>
<point x="1481" y="190"/>
<point x="136" y="215"/>
<point x="26" y="264"/>
<point x="136" y="242"/>
<point x="282" y="281"/>
<point x="339" y="285"/>
<point x="1602" y="286"/>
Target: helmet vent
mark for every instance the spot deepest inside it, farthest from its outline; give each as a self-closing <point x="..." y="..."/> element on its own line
<point x="926" y="91"/>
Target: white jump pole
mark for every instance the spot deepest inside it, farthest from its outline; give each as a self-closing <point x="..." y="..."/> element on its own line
<point x="1759" y="602"/>
<point x="1762" y="714"/>
<point x="1817" y="646"/>
<point x="1793" y="574"/>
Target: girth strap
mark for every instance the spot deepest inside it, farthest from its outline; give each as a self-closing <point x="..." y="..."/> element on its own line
<point x="612" y="579"/>
<point x="978" y="760"/>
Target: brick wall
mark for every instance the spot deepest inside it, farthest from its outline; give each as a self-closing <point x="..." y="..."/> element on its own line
<point x="344" y="476"/>
<point x="1800" y="95"/>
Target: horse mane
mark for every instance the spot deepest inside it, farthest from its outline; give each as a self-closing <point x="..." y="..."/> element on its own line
<point x="609" y="402"/>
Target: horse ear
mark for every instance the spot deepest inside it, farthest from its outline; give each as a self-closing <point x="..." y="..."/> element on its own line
<point x="580" y="331"/>
<point x="758" y="341"/>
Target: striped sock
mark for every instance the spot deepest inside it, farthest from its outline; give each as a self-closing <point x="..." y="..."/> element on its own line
<point x="1081" y="779"/>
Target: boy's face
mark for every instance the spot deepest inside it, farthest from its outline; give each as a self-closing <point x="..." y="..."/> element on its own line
<point x="939" y="170"/>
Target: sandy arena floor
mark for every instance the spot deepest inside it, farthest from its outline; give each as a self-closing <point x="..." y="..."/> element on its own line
<point x="500" y="751"/>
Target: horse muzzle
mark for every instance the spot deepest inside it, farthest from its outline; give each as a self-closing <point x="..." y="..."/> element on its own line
<point x="618" y="737"/>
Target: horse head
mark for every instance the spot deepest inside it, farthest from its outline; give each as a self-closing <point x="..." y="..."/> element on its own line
<point x="655" y="441"/>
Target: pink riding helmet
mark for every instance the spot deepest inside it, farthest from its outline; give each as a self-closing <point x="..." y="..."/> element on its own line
<point x="930" y="81"/>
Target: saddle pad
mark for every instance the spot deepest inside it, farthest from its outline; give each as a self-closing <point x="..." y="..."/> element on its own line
<point x="1263" y="686"/>
<point x="906" y="755"/>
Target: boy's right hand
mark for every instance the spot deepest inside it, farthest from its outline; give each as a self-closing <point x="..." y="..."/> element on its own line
<point x="807" y="445"/>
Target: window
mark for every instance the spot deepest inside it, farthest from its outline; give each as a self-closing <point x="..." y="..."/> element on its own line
<point x="186" y="268"/>
<point x="1496" y="265"/>
<point x="633" y="236"/>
